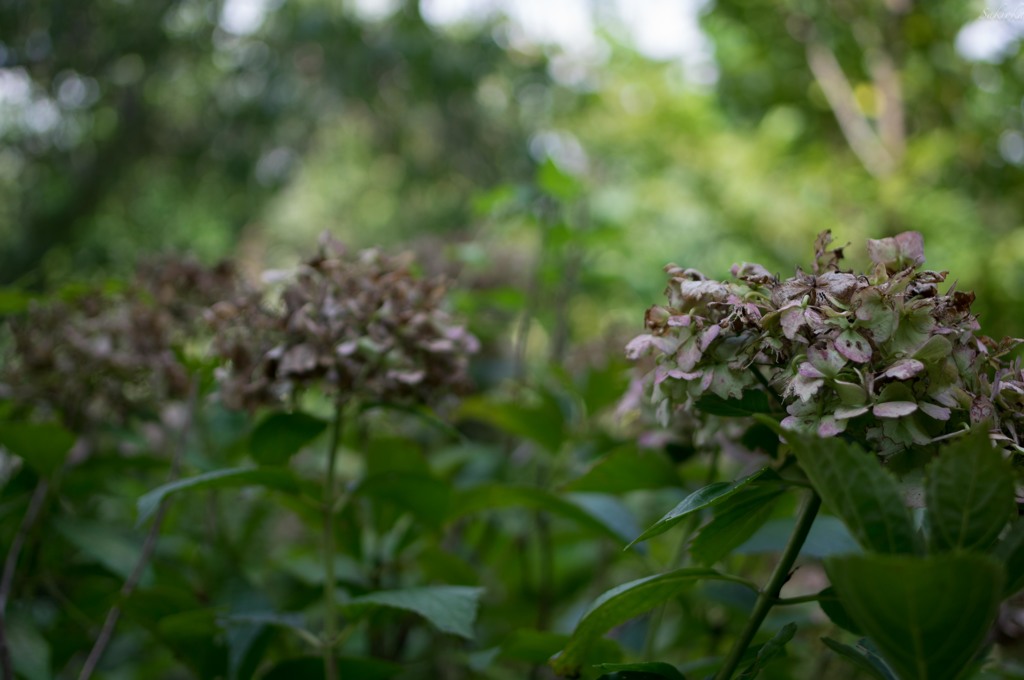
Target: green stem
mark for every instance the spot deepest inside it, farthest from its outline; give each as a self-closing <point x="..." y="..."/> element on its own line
<point x="330" y="615"/>
<point x="769" y="595"/>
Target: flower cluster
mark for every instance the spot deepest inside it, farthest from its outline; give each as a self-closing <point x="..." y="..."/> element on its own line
<point x="884" y="356"/>
<point x="360" y="324"/>
<point x="94" y="357"/>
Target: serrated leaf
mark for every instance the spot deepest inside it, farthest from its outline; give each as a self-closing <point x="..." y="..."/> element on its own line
<point x="860" y="658"/>
<point x="928" y="615"/>
<point x="647" y="669"/>
<point x="705" y="497"/>
<point x="627" y="469"/>
<point x="280" y="436"/>
<point x="735" y="521"/>
<point x="44" y="446"/>
<point x="753" y="401"/>
<point x="853" y="485"/>
<point x="496" y="496"/>
<point x="450" y="609"/>
<point x="621" y="604"/>
<point x="271" y="478"/>
<point x="969" y="494"/>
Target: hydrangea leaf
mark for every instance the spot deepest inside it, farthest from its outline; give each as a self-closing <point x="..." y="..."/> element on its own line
<point x="928" y="616"/>
<point x="705" y="497"/>
<point x="970" y="494"/>
<point x="855" y="487"/>
<point x="621" y="604"/>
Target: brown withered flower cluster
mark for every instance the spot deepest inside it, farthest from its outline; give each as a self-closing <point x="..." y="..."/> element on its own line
<point x="94" y="356"/>
<point x="359" y="324"/>
<point x="884" y="356"/>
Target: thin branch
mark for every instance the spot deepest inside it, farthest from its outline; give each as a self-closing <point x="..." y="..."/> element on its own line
<point x="769" y="596"/>
<point x="330" y="614"/>
<point x="148" y="547"/>
<point x="862" y="139"/>
<point x="35" y="504"/>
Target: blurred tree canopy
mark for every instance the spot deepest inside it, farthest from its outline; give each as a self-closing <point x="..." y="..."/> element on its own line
<point x="130" y="127"/>
<point x="135" y="126"/>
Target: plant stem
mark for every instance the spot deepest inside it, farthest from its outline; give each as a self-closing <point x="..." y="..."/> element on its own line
<point x="148" y="547"/>
<point x="330" y="622"/>
<point x="770" y="593"/>
<point x="35" y="504"/>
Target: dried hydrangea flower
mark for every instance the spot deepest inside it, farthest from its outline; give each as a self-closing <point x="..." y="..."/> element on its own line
<point x="97" y="357"/>
<point x="359" y="324"/>
<point x="883" y="355"/>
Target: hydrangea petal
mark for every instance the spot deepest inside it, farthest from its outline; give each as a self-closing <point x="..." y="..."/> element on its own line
<point x="904" y="369"/>
<point x="854" y="346"/>
<point x="894" y="409"/>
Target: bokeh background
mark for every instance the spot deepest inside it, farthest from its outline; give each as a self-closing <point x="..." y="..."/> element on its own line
<point x="594" y="139"/>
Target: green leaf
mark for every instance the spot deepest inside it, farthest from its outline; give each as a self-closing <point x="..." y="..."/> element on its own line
<point x="928" y="616"/>
<point x="855" y="487"/>
<point x="105" y="544"/>
<point x="31" y="652"/>
<point x="753" y="401"/>
<point x="828" y="536"/>
<point x="426" y="497"/>
<point x="834" y="610"/>
<point x="556" y="183"/>
<point x="1010" y="551"/>
<point x="312" y="668"/>
<point x="277" y="479"/>
<point x="627" y="469"/>
<point x="543" y="423"/>
<point x="641" y="671"/>
<point x="533" y="646"/>
<point x="698" y="500"/>
<point x="14" y="300"/>
<point x="495" y="496"/>
<point x="621" y="604"/>
<point x="395" y="454"/>
<point x="450" y="609"/>
<point x="280" y="436"/>
<point x="970" y="494"/>
<point x="861" y="658"/>
<point x="735" y="521"/>
<point x="44" y="446"/>
<point x="770" y="651"/>
<point x="609" y="510"/>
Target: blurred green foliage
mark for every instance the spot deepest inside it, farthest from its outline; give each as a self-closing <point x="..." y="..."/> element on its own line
<point x="552" y="187"/>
